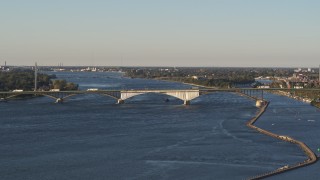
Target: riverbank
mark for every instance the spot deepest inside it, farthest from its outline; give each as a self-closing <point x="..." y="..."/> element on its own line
<point x="312" y="158"/>
<point x="315" y="104"/>
<point x="191" y="84"/>
<point x="289" y="95"/>
<point x="17" y="97"/>
<point x="306" y="100"/>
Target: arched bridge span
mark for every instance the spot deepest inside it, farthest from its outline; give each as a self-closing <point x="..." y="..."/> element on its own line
<point x="186" y="95"/>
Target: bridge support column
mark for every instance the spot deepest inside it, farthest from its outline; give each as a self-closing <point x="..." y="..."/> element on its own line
<point x="3" y="100"/>
<point x="186" y="102"/>
<point x="120" y="101"/>
<point x="260" y="103"/>
<point x="59" y="100"/>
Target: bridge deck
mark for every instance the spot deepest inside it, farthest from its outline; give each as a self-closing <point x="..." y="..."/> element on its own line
<point x="160" y="90"/>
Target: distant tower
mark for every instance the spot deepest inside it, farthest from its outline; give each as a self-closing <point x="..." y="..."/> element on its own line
<point x="35" y="77"/>
<point x="5" y="66"/>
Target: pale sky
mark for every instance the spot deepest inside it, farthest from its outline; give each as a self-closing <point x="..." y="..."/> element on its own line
<point x="210" y="33"/>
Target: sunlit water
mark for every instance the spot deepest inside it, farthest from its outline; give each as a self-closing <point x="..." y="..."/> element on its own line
<point x="91" y="137"/>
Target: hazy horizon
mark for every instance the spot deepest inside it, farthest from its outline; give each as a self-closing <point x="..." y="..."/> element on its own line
<point x="116" y="66"/>
<point x="167" y="33"/>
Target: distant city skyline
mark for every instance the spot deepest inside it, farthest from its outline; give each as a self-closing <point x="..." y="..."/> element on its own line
<point x="213" y="33"/>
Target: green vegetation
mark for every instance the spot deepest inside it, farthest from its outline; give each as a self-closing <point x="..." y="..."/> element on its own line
<point x="24" y="79"/>
<point x="64" y="85"/>
<point x="315" y="103"/>
<point x="215" y="77"/>
<point x="313" y="95"/>
<point x="278" y="84"/>
<point x="223" y="83"/>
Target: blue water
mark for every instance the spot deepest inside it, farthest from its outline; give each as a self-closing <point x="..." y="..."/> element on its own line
<point x="91" y="137"/>
<point x="299" y="120"/>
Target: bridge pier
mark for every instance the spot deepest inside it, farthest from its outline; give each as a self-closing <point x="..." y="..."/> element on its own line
<point x="3" y="100"/>
<point x="186" y="102"/>
<point x="120" y="101"/>
<point x="59" y="100"/>
<point x="260" y="103"/>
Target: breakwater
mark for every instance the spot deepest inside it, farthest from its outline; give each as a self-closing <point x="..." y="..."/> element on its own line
<point x="311" y="157"/>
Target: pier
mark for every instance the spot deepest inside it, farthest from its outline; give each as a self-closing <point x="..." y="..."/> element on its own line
<point x="312" y="158"/>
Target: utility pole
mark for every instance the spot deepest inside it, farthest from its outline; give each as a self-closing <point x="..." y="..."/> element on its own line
<point x="35" y="76"/>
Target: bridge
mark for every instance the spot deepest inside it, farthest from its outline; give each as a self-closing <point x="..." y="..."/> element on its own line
<point x="186" y="95"/>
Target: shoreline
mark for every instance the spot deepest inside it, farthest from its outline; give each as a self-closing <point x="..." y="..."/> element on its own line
<point x="312" y="158"/>
<point x="192" y="84"/>
<point x="280" y="93"/>
<point x="287" y="94"/>
<point x="298" y="98"/>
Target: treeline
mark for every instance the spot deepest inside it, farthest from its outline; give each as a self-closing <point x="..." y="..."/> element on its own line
<point x="217" y="77"/>
<point x="223" y="83"/>
<point x="63" y="85"/>
<point x="207" y="72"/>
<point x="315" y="103"/>
<point x="24" y="79"/>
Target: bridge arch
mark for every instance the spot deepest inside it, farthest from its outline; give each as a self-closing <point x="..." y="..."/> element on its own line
<point x="112" y="94"/>
<point x="12" y="96"/>
<point x="59" y="98"/>
<point x="184" y="95"/>
<point x="65" y="95"/>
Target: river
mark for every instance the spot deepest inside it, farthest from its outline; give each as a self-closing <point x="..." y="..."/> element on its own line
<point x="91" y="137"/>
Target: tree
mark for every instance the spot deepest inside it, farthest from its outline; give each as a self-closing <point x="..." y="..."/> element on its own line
<point x="59" y="84"/>
<point x="64" y="85"/>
